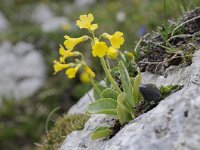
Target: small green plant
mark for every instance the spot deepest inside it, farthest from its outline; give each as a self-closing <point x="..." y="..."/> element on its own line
<point x="121" y="101"/>
<point x="64" y="125"/>
<point x="110" y="100"/>
<point x="119" y="105"/>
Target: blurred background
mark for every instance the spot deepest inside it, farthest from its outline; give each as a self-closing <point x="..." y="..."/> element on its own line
<point x="30" y="34"/>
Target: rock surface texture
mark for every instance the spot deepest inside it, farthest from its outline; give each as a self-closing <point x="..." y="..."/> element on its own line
<point x="22" y="70"/>
<point x="173" y="125"/>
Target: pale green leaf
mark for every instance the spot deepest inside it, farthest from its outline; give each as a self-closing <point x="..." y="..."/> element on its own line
<point x="109" y="93"/>
<point x="123" y="113"/>
<point x="103" y="106"/>
<point x="136" y="93"/>
<point x="95" y="93"/>
<point x="126" y="84"/>
<point x="101" y="132"/>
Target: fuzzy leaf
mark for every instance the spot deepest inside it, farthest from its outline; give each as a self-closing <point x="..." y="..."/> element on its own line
<point x="123" y="114"/>
<point x="101" y="132"/>
<point x="126" y="84"/>
<point x="109" y="93"/>
<point x="95" y="93"/>
<point x="103" y="106"/>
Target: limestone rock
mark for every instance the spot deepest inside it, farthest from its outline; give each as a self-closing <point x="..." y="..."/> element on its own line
<point x="82" y="104"/>
<point x="173" y="125"/>
<point x="22" y="70"/>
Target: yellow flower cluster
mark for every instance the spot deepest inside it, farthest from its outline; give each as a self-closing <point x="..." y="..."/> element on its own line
<point x="99" y="49"/>
<point x="65" y="52"/>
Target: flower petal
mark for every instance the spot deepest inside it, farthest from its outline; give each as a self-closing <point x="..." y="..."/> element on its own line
<point x="90" y="17"/>
<point x="94" y="27"/>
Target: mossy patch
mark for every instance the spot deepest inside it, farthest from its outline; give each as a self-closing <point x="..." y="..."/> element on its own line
<point x="63" y="127"/>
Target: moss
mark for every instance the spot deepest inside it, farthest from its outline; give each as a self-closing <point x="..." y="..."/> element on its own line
<point x="63" y="126"/>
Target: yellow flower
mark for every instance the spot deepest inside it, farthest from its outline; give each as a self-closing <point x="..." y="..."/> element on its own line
<point x="129" y="54"/>
<point x="71" y="72"/>
<point x="64" y="54"/>
<point x="86" y="75"/>
<point x="58" y="66"/>
<point x="116" y="39"/>
<point x="85" y="22"/>
<point x="99" y="49"/>
<point x="89" y="71"/>
<point x="85" y="78"/>
<point x="112" y="53"/>
<point x="70" y="43"/>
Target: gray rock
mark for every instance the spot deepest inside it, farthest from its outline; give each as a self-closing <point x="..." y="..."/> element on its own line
<point x="84" y="3"/>
<point x="55" y="24"/>
<point x="4" y="24"/>
<point x="82" y="104"/>
<point x="22" y="70"/>
<point x="41" y="14"/>
<point x="76" y="137"/>
<point x="173" y="125"/>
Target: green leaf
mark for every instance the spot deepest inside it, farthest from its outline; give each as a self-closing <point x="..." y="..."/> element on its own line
<point x="126" y="84"/>
<point x="109" y="93"/>
<point x="101" y="132"/>
<point x="103" y="106"/>
<point x="136" y="93"/>
<point x="168" y="90"/>
<point x="123" y="113"/>
<point x="95" y="93"/>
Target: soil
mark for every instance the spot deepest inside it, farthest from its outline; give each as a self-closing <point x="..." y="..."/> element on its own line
<point x="155" y="58"/>
<point x="115" y="129"/>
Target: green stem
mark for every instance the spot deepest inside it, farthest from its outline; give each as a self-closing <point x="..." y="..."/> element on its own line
<point x="95" y="87"/>
<point x="166" y="22"/>
<point x="112" y="81"/>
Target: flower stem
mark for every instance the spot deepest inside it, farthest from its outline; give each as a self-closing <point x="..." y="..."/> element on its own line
<point x="95" y="87"/>
<point x="112" y="81"/>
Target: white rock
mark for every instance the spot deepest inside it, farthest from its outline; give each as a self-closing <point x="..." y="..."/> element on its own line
<point x="84" y="3"/>
<point x="56" y="23"/>
<point x="174" y="124"/>
<point x="4" y="24"/>
<point x="82" y="104"/>
<point x="121" y="16"/>
<point x="41" y="14"/>
<point x="22" y="70"/>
